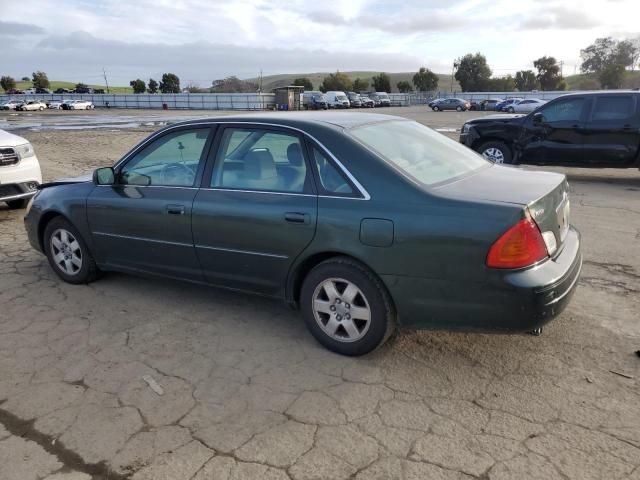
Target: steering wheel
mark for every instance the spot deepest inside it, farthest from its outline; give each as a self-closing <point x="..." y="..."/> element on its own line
<point x="175" y="174"/>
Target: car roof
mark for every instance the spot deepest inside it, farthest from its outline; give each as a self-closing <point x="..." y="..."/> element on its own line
<point x="302" y="119"/>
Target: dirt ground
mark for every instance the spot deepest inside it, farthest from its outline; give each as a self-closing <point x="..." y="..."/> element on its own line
<point x="248" y="394"/>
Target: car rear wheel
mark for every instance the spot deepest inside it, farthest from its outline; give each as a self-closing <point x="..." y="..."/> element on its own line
<point x="41" y="108"/>
<point x="68" y="253"/>
<point x="17" y="204"/>
<point x="458" y="109"/>
<point x="497" y="152"/>
<point x="346" y="307"/>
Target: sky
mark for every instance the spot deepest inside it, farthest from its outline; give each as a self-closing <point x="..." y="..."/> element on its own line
<point x="203" y="40"/>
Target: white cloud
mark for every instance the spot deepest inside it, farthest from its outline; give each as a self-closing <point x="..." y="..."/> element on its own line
<point x="206" y="39"/>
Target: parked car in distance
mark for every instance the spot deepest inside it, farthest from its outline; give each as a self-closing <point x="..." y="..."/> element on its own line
<point x="14" y="91"/>
<point x="44" y="91"/>
<point x="583" y="130"/>
<point x="12" y="104"/>
<point x="98" y="91"/>
<point x="457" y="104"/>
<point x="433" y="101"/>
<point x="380" y="99"/>
<point x="337" y="100"/>
<point x="77" y="105"/>
<point x="63" y="90"/>
<point x="314" y="101"/>
<point x="355" y="100"/>
<point x="503" y="105"/>
<point x="525" y="106"/>
<point x="490" y="104"/>
<point x="20" y="173"/>
<point x="30" y="91"/>
<point x="55" y="104"/>
<point x="32" y="105"/>
<point x="83" y="90"/>
<point x="381" y="222"/>
<point x="366" y="101"/>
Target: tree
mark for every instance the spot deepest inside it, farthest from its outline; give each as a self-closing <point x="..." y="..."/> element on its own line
<point x="170" y="83"/>
<point x="501" y="84"/>
<point x="608" y="58"/>
<point x="611" y="76"/>
<point x="232" y="85"/>
<point x="472" y="72"/>
<point x="336" y="81"/>
<point x="549" y="74"/>
<point x="303" y="82"/>
<point x="25" y="79"/>
<point x="360" y="85"/>
<point x="526" y="80"/>
<point x="425" y="80"/>
<point x="381" y="82"/>
<point x="153" y="86"/>
<point x="404" y="86"/>
<point x="80" y="86"/>
<point x="7" y="83"/>
<point x="40" y="80"/>
<point x="138" y="86"/>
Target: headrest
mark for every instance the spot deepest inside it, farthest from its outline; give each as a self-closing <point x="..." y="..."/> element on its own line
<point x="294" y="154"/>
<point x="259" y="164"/>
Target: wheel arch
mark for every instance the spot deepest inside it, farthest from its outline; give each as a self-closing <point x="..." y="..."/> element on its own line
<point x="300" y="271"/>
<point x="44" y="221"/>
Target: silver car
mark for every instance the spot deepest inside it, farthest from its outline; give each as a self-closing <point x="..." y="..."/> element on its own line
<point x="525" y="106"/>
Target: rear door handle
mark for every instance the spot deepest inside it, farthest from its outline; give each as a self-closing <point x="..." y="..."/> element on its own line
<point x="175" y="209"/>
<point x="296" y="217"/>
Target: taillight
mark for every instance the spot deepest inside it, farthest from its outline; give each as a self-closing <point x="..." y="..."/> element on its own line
<point x="520" y="246"/>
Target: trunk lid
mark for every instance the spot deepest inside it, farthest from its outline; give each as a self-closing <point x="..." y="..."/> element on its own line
<point x="544" y="194"/>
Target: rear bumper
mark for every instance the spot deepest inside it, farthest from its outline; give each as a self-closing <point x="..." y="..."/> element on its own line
<point x="508" y="301"/>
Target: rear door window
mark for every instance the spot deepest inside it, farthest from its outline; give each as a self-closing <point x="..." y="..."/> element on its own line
<point x="613" y="107"/>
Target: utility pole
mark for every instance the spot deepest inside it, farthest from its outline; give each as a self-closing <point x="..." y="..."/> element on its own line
<point x="260" y="87"/>
<point x="105" y="79"/>
<point x="561" y="68"/>
<point x="453" y="72"/>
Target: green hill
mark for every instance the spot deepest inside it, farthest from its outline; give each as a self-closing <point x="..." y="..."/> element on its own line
<point x="270" y="82"/>
<point x="589" y="81"/>
<point x="55" y="84"/>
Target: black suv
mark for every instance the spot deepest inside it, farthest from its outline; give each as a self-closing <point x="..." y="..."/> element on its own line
<point x="582" y="129"/>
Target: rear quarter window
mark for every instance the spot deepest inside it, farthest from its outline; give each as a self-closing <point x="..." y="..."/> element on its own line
<point x="613" y="107"/>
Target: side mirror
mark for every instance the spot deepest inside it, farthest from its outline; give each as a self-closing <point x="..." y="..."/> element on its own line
<point x="538" y="118"/>
<point x="104" y="176"/>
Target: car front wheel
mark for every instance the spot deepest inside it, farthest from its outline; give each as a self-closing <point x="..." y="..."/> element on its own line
<point x="459" y="109"/>
<point x="436" y="109"/>
<point x="68" y="253"/>
<point x="495" y="151"/>
<point x="346" y="307"/>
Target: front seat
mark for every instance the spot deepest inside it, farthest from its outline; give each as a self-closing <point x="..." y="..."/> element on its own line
<point x="295" y="173"/>
<point x="259" y="172"/>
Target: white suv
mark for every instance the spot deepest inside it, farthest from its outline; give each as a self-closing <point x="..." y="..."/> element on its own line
<point x="20" y="172"/>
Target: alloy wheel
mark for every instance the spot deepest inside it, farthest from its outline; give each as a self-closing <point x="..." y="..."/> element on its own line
<point x="66" y="251"/>
<point x="341" y="310"/>
<point x="494" y="154"/>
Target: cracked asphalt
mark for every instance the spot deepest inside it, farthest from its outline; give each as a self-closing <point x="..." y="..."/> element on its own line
<point x="246" y="393"/>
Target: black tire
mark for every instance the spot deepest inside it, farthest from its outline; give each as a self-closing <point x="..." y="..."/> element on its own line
<point x="17" y="204"/>
<point x="507" y="154"/>
<point x="88" y="271"/>
<point x="511" y="110"/>
<point x="459" y="109"/>
<point x="382" y="312"/>
<point x="435" y="108"/>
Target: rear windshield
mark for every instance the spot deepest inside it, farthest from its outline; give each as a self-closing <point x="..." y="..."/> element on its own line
<point x="426" y="156"/>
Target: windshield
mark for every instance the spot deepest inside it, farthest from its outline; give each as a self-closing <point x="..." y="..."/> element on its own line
<point x="341" y="97"/>
<point x="428" y="157"/>
<point x="383" y="96"/>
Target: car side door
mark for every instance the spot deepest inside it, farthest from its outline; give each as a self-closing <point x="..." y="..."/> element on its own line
<point x="612" y="133"/>
<point x="143" y="221"/>
<point x="554" y="133"/>
<point x="256" y="210"/>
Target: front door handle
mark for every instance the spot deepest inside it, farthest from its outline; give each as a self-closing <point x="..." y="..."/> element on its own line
<point x="175" y="209"/>
<point x="296" y="217"/>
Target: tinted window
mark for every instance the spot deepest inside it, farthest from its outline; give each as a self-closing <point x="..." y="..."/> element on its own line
<point x="423" y="154"/>
<point x="253" y="159"/>
<point x="566" y="110"/>
<point x="171" y="160"/>
<point x="613" y="107"/>
<point x="331" y="181"/>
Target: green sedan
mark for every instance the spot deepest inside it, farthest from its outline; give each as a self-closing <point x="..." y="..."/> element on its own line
<point x="364" y="222"/>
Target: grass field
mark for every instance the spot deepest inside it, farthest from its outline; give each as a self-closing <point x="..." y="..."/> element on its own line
<point x="55" y="84"/>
